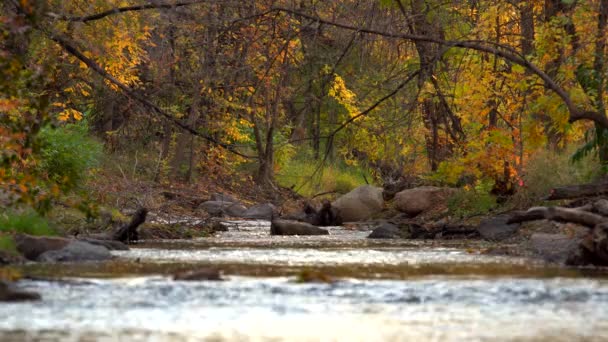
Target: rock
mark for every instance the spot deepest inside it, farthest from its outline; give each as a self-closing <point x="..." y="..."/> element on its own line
<point x="556" y="248"/>
<point x="7" y="258"/>
<point x="263" y="211"/>
<point x="360" y="204"/>
<point x="285" y="227"/>
<point x="10" y="294"/>
<point x="109" y="244"/>
<point x="215" y="208"/>
<point x="417" y="200"/>
<point x="76" y="251"/>
<point x="235" y="210"/>
<point x="385" y="230"/>
<point x="219" y="197"/>
<point x="496" y="228"/>
<point x="206" y="273"/>
<point x="32" y="246"/>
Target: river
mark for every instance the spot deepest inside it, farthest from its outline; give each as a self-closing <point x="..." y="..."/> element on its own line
<point x="395" y="290"/>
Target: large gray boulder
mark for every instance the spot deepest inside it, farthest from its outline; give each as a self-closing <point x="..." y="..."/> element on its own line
<point x="557" y="248"/>
<point x="264" y="211"/>
<point x="55" y="249"/>
<point x="215" y="208"/>
<point x="496" y="228"/>
<point x="76" y="251"/>
<point x="286" y="227"/>
<point x="33" y="246"/>
<point x="418" y="200"/>
<point x="360" y="204"/>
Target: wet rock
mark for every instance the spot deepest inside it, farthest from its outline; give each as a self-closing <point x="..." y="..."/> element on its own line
<point x="385" y="231"/>
<point x="285" y="227"/>
<point x="206" y="273"/>
<point x="220" y="197"/>
<point x="314" y="276"/>
<point x="360" y="204"/>
<point x="418" y="200"/>
<point x="263" y="211"/>
<point x="33" y="246"/>
<point x="217" y="225"/>
<point x="109" y="244"/>
<point x="557" y="248"/>
<point x="496" y="228"/>
<point x="10" y="294"/>
<point x="76" y="251"/>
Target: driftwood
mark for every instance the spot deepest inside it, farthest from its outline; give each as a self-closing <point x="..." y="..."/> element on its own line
<point x="576" y="191"/>
<point x="593" y="248"/>
<point x="573" y="215"/>
<point x="125" y="233"/>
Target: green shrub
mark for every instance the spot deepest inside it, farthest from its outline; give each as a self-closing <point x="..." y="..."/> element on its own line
<point x="7" y="244"/>
<point x="547" y="170"/>
<point x="67" y="153"/>
<point x="303" y="174"/>
<point x="470" y="201"/>
<point x="28" y="222"/>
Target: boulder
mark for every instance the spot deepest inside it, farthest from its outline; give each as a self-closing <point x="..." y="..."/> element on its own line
<point x="32" y="246"/>
<point x="557" y="248"/>
<point x="360" y="204"/>
<point x="417" y="200"/>
<point x="76" y="251"/>
<point x="10" y="294"/>
<point x="263" y="211"/>
<point x="496" y="228"/>
<point x="285" y="227"/>
<point x="235" y="210"/>
<point x="385" y="230"/>
<point x="215" y="208"/>
<point x="219" y="197"/>
<point x="205" y="273"/>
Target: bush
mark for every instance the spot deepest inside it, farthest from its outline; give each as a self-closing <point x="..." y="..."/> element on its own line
<point x="28" y="222"/>
<point x="547" y="170"/>
<point x="67" y="153"/>
<point x="471" y="201"/>
<point x="299" y="172"/>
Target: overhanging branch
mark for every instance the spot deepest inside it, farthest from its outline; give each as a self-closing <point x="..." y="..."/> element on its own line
<point x="101" y="15"/>
<point x="71" y="49"/>
<point x="499" y="50"/>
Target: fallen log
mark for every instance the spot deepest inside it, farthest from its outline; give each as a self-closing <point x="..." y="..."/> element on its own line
<point x="581" y="217"/>
<point x="576" y="191"/>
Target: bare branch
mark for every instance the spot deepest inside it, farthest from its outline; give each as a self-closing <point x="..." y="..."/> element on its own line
<point x="143" y="7"/>
<point x="499" y="50"/>
<point x="71" y="49"/>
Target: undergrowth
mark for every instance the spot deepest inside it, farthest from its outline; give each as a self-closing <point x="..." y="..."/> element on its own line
<point x="303" y="174"/>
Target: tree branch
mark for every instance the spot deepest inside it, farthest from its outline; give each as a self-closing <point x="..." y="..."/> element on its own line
<point x="101" y="15"/>
<point x="499" y="50"/>
<point x="71" y="49"/>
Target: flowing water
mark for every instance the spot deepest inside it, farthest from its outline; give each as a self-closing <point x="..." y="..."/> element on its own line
<point x="383" y="291"/>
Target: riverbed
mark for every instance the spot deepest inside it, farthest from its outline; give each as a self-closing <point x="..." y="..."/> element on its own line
<point x="395" y="290"/>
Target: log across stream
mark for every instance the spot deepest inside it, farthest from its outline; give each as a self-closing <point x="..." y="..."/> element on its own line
<point x="380" y="291"/>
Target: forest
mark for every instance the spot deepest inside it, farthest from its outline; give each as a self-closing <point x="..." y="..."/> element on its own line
<point x="471" y="120"/>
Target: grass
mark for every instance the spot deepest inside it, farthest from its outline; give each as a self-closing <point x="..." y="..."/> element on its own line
<point x="301" y="173"/>
<point x="27" y="221"/>
<point x="547" y="170"/>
